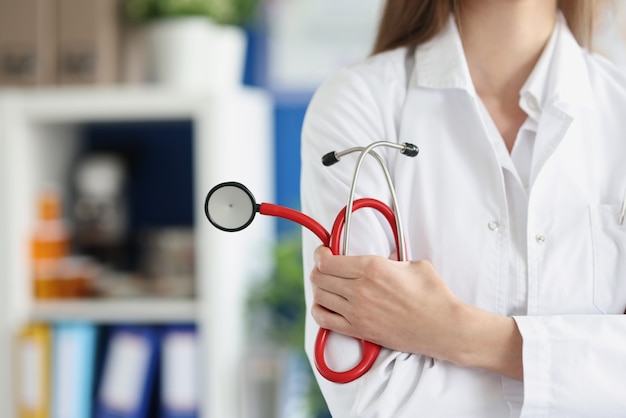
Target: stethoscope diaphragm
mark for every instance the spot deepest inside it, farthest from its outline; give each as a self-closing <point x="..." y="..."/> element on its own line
<point x="230" y="206"/>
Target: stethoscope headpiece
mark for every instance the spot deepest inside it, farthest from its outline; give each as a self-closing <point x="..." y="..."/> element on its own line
<point x="406" y="148"/>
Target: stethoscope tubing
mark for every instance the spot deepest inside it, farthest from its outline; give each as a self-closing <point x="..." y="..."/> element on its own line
<point x="333" y="240"/>
<point x="293" y="215"/>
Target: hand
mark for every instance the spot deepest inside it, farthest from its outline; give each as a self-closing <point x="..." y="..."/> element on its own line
<point x="406" y="306"/>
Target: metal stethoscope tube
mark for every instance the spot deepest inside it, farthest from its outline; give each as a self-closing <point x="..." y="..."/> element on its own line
<point x="406" y="149"/>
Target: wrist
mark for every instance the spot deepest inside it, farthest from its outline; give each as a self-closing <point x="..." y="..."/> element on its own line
<point x="490" y="341"/>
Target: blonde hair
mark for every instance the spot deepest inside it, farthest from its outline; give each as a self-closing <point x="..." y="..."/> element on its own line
<point x="412" y="22"/>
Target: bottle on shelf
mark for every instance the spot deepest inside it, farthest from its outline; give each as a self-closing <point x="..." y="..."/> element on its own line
<point x="77" y="275"/>
<point x="50" y="245"/>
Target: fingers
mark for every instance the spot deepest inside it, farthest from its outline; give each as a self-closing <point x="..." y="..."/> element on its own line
<point x="327" y="282"/>
<point x="345" y="267"/>
<point x="330" y="320"/>
<point x="341" y="285"/>
<point x="329" y="300"/>
<point x="346" y="276"/>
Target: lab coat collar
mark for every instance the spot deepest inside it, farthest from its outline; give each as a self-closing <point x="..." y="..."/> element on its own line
<point x="535" y="91"/>
<point x="560" y="77"/>
<point x="569" y="85"/>
<point x="440" y="62"/>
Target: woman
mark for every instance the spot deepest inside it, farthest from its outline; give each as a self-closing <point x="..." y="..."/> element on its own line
<point x="513" y="304"/>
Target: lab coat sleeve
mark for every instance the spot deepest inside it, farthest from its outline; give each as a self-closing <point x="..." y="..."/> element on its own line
<point x="574" y="366"/>
<point x="342" y="114"/>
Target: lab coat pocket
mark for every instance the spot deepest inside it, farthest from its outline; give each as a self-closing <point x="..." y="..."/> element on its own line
<point x="609" y="258"/>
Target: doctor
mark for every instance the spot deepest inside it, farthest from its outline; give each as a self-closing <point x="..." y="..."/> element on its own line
<point x="514" y="215"/>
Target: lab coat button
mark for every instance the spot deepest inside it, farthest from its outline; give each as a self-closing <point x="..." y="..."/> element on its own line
<point x="493" y="226"/>
<point x="541" y="239"/>
<point x="532" y="103"/>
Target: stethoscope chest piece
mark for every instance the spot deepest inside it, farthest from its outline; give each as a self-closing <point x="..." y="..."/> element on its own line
<point x="230" y="206"/>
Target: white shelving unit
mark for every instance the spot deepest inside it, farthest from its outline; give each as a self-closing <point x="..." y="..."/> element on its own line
<point x="232" y="141"/>
<point x="153" y="310"/>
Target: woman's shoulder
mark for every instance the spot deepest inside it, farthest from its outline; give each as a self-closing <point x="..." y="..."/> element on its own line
<point x="606" y="76"/>
<point x="385" y="67"/>
<point x="380" y="78"/>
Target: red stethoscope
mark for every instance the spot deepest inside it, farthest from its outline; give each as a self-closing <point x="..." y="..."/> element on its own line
<point x="231" y="207"/>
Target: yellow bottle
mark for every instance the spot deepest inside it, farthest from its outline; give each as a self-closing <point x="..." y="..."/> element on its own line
<point x="50" y="245"/>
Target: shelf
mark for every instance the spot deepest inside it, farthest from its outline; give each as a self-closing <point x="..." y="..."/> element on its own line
<point x="84" y="104"/>
<point x="41" y="130"/>
<point x="115" y="311"/>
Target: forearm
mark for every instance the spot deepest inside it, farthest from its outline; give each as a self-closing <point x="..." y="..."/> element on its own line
<point x="491" y="342"/>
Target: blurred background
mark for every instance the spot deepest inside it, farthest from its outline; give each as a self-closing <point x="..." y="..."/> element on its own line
<point x="117" y="297"/>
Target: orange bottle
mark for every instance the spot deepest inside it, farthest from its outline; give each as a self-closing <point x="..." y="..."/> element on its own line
<point x="50" y="245"/>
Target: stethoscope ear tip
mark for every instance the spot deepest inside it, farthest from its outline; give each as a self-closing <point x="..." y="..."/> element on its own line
<point x="330" y="159"/>
<point x="410" y="150"/>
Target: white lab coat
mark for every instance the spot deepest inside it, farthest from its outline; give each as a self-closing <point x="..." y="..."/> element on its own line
<point x="570" y="296"/>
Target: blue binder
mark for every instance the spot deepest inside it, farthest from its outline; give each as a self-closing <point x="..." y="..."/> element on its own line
<point x="73" y="354"/>
<point x="179" y="372"/>
<point x="128" y="373"/>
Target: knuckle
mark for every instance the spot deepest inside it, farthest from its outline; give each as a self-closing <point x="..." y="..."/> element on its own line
<point x="316" y="313"/>
<point x="321" y="321"/>
<point x="422" y="267"/>
<point x="363" y="328"/>
<point x="315" y="277"/>
<point x="316" y="294"/>
<point x="322" y="262"/>
<point x="375" y="267"/>
<point x="424" y="264"/>
<point x="363" y="294"/>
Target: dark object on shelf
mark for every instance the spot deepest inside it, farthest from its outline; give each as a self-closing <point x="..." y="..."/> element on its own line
<point x="100" y="210"/>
